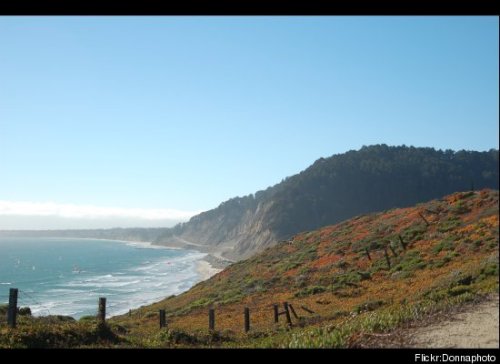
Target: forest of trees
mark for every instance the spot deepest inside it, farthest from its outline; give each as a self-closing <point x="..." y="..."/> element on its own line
<point x="375" y="178"/>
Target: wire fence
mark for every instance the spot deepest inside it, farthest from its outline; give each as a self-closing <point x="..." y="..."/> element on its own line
<point x="32" y="300"/>
<point x="25" y="296"/>
<point x="262" y="316"/>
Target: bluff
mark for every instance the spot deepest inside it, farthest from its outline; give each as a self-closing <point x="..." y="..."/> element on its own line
<point x="331" y="190"/>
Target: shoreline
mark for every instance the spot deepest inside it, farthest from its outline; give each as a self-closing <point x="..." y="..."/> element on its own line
<point x="206" y="267"/>
<point x="206" y="270"/>
<point x="203" y="266"/>
<point x="147" y="243"/>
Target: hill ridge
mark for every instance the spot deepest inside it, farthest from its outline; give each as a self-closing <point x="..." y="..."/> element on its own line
<point x="332" y="189"/>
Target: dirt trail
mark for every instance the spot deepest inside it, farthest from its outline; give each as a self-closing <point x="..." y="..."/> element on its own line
<point x="476" y="327"/>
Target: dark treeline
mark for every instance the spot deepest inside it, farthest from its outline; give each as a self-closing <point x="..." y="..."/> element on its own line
<point x="376" y="178"/>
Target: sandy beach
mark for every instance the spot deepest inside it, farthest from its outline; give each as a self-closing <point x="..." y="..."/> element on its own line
<point x="206" y="270"/>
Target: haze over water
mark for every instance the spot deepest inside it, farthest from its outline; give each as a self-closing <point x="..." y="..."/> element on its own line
<point x="62" y="276"/>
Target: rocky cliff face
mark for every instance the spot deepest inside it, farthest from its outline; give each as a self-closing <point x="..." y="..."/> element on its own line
<point x="234" y="234"/>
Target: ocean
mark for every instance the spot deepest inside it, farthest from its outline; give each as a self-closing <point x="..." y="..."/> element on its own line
<point x="62" y="276"/>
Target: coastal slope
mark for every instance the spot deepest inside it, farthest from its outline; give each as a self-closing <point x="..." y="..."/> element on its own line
<point x="369" y="274"/>
<point x="374" y="178"/>
<point x="346" y="285"/>
<point x="333" y="189"/>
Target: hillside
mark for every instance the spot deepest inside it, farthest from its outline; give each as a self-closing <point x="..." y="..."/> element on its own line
<point x="372" y="179"/>
<point x="347" y="282"/>
<point x="438" y="253"/>
<point x="333" y="189"/>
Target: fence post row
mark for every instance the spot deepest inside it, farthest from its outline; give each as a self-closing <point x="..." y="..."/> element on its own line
<point x="101" y="316"/>
<point x="12" y="310"/>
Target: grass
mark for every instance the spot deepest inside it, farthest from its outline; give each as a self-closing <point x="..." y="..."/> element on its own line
<point x="38" y="333"/>
<point x="451" y="261"/>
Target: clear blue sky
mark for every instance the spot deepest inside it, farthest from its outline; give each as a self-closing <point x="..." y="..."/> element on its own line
<point x="186" y="112"/>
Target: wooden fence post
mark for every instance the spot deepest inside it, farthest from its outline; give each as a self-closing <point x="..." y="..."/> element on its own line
<point x="402" y="242"/>
<point x="393" y="251"/>
<point x="247" y="319"/>
<point x="293" y="311"/>
<point x="423" y="218"/>
<point x="276" y="316"/>
<point x="101" y="316"/>
<point x="368" y="254"/>
<point x="287" y="313"/>
<point x="211" y="319"/>
<point x="163" y="320"/>
<point x="307" y="309"/>
<point x="12" y="310"/>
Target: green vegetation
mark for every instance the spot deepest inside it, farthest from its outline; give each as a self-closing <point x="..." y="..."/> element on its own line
<point x="310" y="291"/>
<point x="343" y="281"/>
<point x="38" y="333"/>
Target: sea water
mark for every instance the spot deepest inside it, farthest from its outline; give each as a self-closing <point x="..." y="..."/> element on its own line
<point x="63" y="276"/>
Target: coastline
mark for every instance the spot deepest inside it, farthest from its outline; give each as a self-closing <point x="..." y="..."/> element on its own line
<point x="206" y="267"/>
<point x="138" y="242"/>
<point x="198" y="266"/>
<point x="206" y="270"/>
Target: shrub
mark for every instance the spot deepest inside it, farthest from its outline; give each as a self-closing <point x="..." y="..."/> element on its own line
<point x="176" y="337"/>
<point x="489" y="269"/>
<point x="414" y="232"/>
<point x="87" y="318"/>
<point x="310" y="291"/>
<point x="24" y="311"/>
<point x="447" y="245"/>
<point x="410" y="262"/>
<point x="458" y="290"/>
<point x="460" y="208"/>
<point x="369" y="306"/>
<point x="448" y="224"/>
<point x="364" y="275"/>
<point x="4" y="309"/>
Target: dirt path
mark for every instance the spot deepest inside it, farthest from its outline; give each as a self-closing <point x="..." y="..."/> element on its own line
<point x="476" y="327"/>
